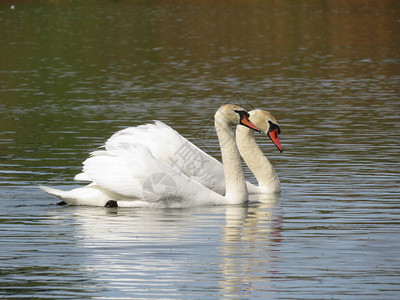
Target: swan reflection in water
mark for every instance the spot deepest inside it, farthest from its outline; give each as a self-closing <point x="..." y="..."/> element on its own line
<point x="247" y="246"/>
<point x="144" y="251"/>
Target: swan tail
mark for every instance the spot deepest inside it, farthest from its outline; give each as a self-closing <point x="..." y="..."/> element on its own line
<point x="60" y="194"/>
<point x="91" y="195"/>
<point x="54" y="192"/>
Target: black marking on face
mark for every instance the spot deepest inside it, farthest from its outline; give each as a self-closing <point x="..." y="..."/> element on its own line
<point x="242" y="113"/>
<point x="273" y="126"/>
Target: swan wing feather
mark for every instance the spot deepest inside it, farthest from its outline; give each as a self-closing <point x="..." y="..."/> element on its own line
<point x="167" y="145"/>
<point x="119" y="170"/>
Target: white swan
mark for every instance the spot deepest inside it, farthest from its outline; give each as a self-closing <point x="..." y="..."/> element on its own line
<point x="173" y="149"/>
<point x="128" y="175"/>
<point x="268" y="181"/>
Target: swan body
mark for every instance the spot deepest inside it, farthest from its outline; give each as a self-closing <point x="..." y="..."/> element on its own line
<point x="130" y="175"/>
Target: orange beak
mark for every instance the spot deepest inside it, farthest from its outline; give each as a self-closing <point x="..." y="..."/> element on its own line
<point x="246" y="122"/>
<point x="273" y="135"/>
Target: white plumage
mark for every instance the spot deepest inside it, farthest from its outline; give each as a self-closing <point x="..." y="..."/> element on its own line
<point x="136" y="169"/>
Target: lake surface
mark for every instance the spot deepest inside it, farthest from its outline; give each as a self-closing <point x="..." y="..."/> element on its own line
<point x="73" y="73"/>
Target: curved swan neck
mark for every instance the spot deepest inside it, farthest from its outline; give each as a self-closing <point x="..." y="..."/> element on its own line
<point x="236" y="190"/>
<point x="256" y="160"/>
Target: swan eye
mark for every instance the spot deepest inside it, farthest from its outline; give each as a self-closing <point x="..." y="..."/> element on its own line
<point x="273" y="126"/>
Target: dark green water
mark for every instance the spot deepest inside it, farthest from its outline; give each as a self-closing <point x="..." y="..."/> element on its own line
<point x="73" y="73"/>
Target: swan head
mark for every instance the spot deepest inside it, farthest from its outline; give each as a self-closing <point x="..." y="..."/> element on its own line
<point x="268" y="124"/>
<point x="234" y="115"/>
